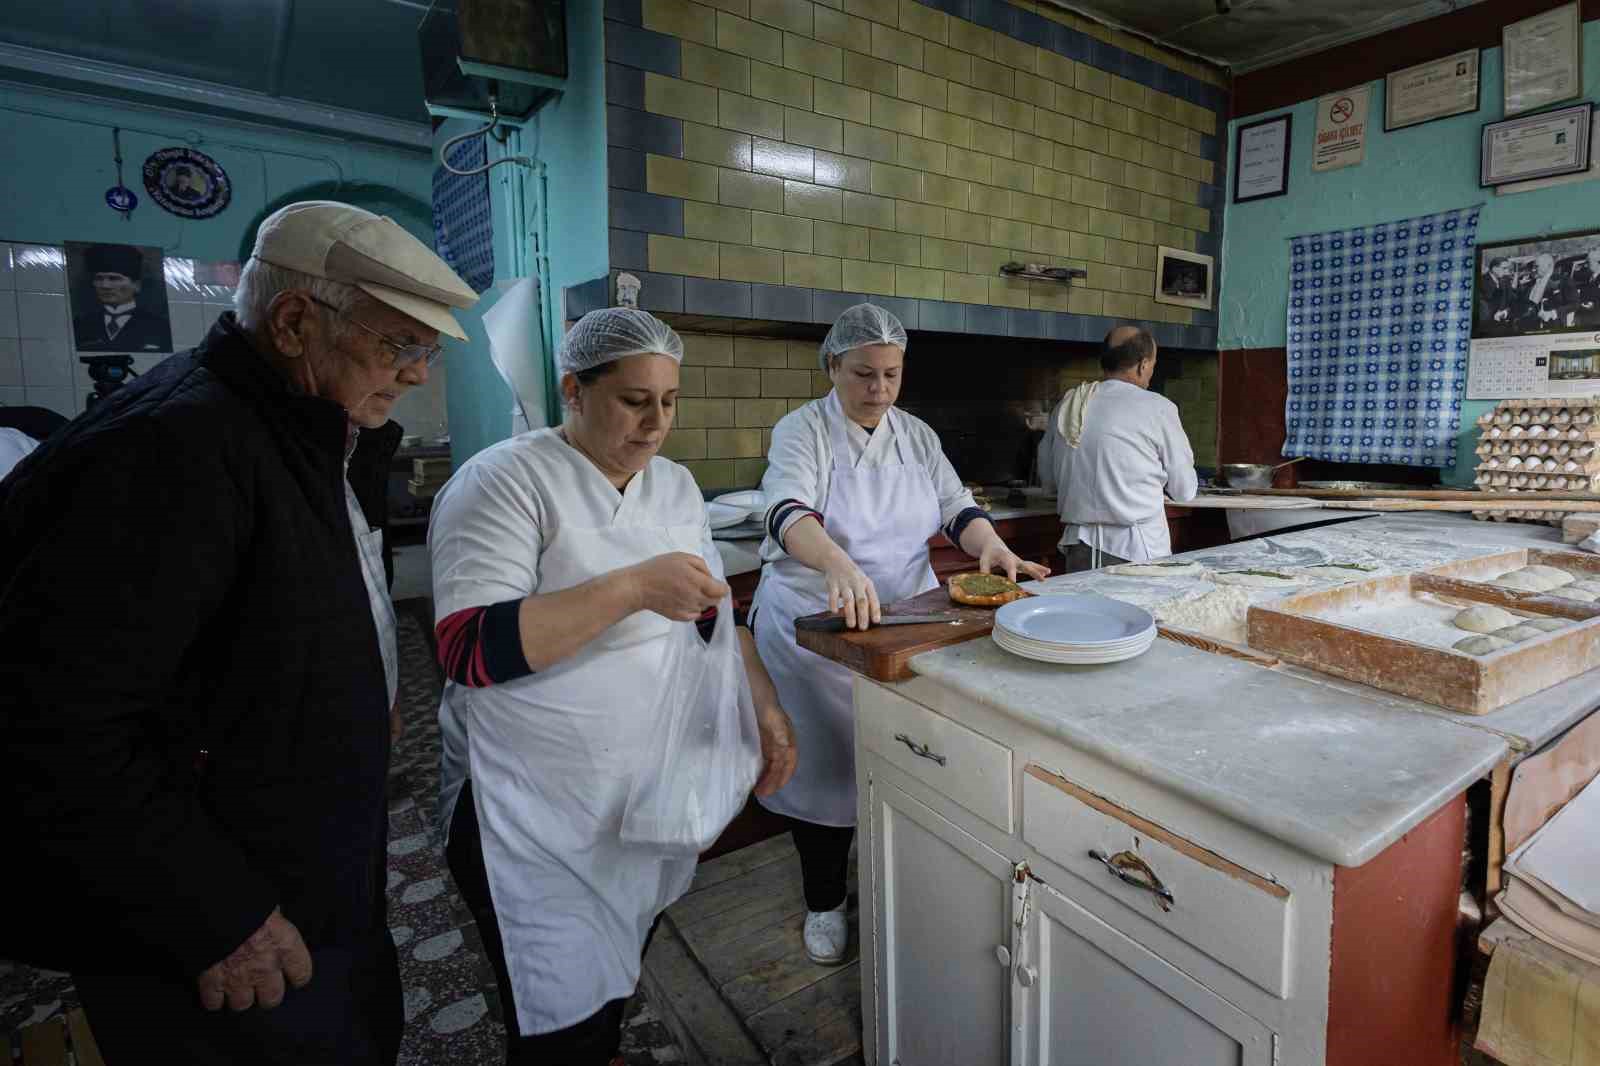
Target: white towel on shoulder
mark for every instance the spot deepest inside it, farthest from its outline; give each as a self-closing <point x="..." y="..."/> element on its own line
<point x="1074" y="409"/>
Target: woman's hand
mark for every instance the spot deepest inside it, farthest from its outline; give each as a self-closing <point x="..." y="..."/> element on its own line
<point x="778" y="754"/>
<point x="678" y="586"/>
<point x="851" y="591"/>
<point x="996" y="556"/>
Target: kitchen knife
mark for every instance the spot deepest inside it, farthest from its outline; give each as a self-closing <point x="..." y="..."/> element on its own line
<point x="834" y="623"/>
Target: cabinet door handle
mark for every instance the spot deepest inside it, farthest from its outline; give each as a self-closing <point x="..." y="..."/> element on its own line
<point x="919" y="750"/>
<point x="1128" y="868"/>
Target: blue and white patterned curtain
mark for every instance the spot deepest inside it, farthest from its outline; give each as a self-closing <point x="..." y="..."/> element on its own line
<point x="1379" y="323"/>
<point x="463" y="227"/>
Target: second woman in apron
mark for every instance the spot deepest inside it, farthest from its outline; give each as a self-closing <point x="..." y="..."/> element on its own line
<point x="855" y="488"/>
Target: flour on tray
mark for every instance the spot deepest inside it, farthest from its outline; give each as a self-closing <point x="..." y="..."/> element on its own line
<point x="1220" y="614"/>
<point x="1419" y="620"/>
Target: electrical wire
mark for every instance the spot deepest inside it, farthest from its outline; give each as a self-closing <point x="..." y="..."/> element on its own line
<point x="494" y="122"/>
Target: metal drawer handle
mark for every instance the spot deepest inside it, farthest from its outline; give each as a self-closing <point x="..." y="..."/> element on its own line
<point x="920" y="750"/>
<point x="1128" y="868"/>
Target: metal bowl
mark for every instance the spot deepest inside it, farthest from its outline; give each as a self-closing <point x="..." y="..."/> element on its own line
<point x="1247" y="475"/>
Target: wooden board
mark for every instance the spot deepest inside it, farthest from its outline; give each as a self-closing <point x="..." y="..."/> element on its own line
<point x="1414" y="494"/>
<point x="885" y="654"/>
<point x="1527" y="502"/>
<point x="1253" y="503"/>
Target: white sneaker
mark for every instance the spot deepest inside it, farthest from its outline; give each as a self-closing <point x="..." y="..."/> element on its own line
<point x="827" y="936"/>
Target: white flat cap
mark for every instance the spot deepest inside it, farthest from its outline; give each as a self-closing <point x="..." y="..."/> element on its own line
<point x="327" y="239"/>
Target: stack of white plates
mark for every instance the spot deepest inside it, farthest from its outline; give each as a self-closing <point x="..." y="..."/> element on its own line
<point x="1077" y="628"/>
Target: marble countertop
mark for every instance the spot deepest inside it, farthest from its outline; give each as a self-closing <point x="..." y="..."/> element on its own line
<point x="1335" y="768"/>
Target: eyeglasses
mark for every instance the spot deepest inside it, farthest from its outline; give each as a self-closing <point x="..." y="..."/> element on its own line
<point x="404" y="354"/>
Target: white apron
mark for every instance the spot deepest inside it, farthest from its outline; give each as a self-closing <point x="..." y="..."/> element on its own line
<point x="882" y="516"/>
<point x="552" y="757"/>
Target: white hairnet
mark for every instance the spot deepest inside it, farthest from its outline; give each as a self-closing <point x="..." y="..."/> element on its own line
<point x="604" y="336"/>
<point x="860" y="326"/>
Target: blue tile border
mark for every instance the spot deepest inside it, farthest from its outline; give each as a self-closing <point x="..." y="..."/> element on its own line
<point x="588" y="296"/>
<point x="726" y="299"/>
<point x="1034" y="29"/>
<point x="646" y="211"/>
<point x="659" y="292"/>
<point x="941" y="316"/>
<point x="629" y="249"/>
<point x="827" y="306"/>
<point x="1021" y="323"/>
<point x="780" y="303"/>
<point x="985" y="318"/>
<point x="625" y="86"/>
<point x="625" y="169"/>
<point x="995" y="14"/>
<point x="645" y="49"/>
<point x="630" y="12"/>
<point x="628" y="128"/>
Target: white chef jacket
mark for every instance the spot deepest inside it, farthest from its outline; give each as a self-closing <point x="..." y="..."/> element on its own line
<point x="1110" y="488"/>
<point x="14" y="447"/>
<point x="800" y="465"/>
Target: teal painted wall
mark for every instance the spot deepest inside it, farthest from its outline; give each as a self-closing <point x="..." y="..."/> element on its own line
<point x="1408" y="172"/>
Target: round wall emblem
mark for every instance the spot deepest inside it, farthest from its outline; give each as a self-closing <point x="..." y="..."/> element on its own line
<point x="188" y="183"/>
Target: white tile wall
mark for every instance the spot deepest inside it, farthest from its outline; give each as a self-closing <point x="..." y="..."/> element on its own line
<point x="8" y="314"/>
<point x="39" y="268"/>
<point x="12" y="396"/>
<point x="187" y="328"/>
<point x="64" y="402"/>
<point x="47" y="364"/>
<point x="10" y="360"/>
<point x="6" y="281"/>
<point x="43" y="316"/>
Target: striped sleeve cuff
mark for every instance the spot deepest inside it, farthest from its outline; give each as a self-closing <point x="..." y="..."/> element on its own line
<point x="482" y="646"/>
<point x="958" y="525"/>
<point x="784" y="514"/>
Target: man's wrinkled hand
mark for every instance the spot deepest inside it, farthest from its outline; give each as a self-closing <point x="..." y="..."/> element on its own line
<point x="254" y="974"/>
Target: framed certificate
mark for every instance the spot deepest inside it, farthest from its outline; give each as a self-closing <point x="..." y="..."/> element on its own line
<point x="1261" y="159"/>
<point x="1543" y="57"/>
<point x="1433" y="90"/>
<point x="1536" y="146"/>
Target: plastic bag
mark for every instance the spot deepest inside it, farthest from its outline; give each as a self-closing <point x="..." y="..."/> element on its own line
<point x="705" y="753"/>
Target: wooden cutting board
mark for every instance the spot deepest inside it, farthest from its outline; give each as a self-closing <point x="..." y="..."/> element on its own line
<point x="1252" y="503"/>
<point x="885" y="654"/>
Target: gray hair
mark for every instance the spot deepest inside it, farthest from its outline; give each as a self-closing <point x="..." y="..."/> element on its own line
<point x="260" y="283"/>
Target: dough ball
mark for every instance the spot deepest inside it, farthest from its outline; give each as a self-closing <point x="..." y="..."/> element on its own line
<point x="1552" y="576"/>
<point x="1572" y="592"/>
<point x="1547" y="625"/>
<point x="1519" y="633"/>
<point x="1484" y="619"/>
<point x="1480" y="645"/>
<point x="1517" y="581"/>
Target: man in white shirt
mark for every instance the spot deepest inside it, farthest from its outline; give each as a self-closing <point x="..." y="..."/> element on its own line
<point x="1112" y="453"/>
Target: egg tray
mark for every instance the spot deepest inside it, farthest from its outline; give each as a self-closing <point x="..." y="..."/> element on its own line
<point x="1538" y="445"/>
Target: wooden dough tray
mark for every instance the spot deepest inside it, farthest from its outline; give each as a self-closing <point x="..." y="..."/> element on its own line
<point x="1298" y="630"/>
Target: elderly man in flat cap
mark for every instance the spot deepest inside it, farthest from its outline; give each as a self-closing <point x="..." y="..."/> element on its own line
<point x="119" y="324"/>
<point x="197" y="652"/>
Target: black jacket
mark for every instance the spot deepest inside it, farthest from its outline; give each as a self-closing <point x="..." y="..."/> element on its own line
<point x="178" y="575"/>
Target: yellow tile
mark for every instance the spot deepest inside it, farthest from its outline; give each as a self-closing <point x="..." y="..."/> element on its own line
<point x="1083" y="302"/>
<point x="965" y="226"/>
<point x="1056" y="127"/>
<point x="1141" y="178"/>
<point x="946" y="192"/>
<point x="1008" y="233"/>
<point x="698" y="414"/>
<point x="993" y="77"/>
<point x="783" y="383"/>
<point x="680" y="99"/>
<point x="842" y="101"/>
<point x="1035" y="90"/>
<point x="946" y="128"/>
<point x="764" y="353"/>
<point x="735" y="443"/>
<point x="733" y="382"/>
<point x="707" y="349"/>
<point x="1052" y="183"/>
<point x="1031" y="208"/>
<point x="876" y="278"/>
<point x="802" y="355"/>
<point x="791" y="15"/>
<point x="922" y="154"/>
<point x="840" y="241"/>
<point x="811" y="271"/>
<point x="1127" y="93"/>
<point x="780" y="85"/>
<point x="749" y="115"/>
<point x="1124" y="200"/>
<point x="1119" y="305"/>
<point x="681" y="18"/>
<point x="1088" y="193"/>
<point x="1158" y="208"/>
<point x="1008" y="292"/>
<point x="924" y="21"/>
<point x="1056" y="68"/>
<point x="864" y="209"/>
<point x="1092" y="81"/>
<point x="1051" y="241"/>
<point x="1015" y="53"/>
<point x="812" y="201"/>
<point x="918" y="283"/>
<point x="1031" y="149"/>
<point x="1125" y="146"/>
<point x="971" y="166"/>
<point x="780" y="231"/>
<point x="945" y="255"/>
<point x="1070" y="101"/>
<point x="1088" y="135"/>
<point x="840" y="29"/>
<point x="1112" y="116"/>
<point x="813" y="131"/>
<point x="667" y="176"/>
<point x="897" y="182"/>
<point x="691" y="381"/>
<point x="1172" y="135"/>
<point x="921" y="88"/>
<point x="813" y="57"/>
<point x="1014" y="114"/>
<point x="842" y="171"/>
<point x="966" y="288"/>
<point x="1105" y="223"/>
<point x="1053" y="297"/>
<point x="738" y="189"/>
<point x="707" y="66"/>
<point x="973" y="39"/>
<point x="743" y="263"/>
<point x="1146" y="126"/>
<point x="945" y="62"/>
<point x="675" y="255"/>
<point x="763" y="412"/>
<point x="896" y="46"/>
<point x="1138" y="230"/>
<point x="898" y="115"/>
<point x="884" y="11"/>
<point x="865" y="72"/>
<point x="901" y="248"/>
<point x="1009" y="174"/>
<point x="684" y="444"/>
<point x="991" y="201"/>
<point x="1111" y="171"/>
<point x="973" y="103"/>
<point x="1147" y="257"/>
<point x="1088" y="246"/>
<point x="871" y="143"/>
<point x="747" y="473"/>
<point x="1161" y="105"/>
<point x="986" y="259"/>
<point x="1078" y="161"/>
<point x="707" y="144"/>
<point x="747" y="38"/>
<point x="708" y="222"/>
<point x="821" y="385"/>
<point x="782" y="159"/>
<point x="992" y="140"/>
<point x="1122" y="254"/>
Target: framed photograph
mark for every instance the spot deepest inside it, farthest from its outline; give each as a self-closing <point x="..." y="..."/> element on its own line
<point x="1538" y="286"/>
<point x="1186" y="279"/>
<point x="1261" y="159"/>
<point x="1543" y="57"/>
<point x="119" y="298"/>
<point x="1545" y="145"/>
<point x="1428" y="91"/>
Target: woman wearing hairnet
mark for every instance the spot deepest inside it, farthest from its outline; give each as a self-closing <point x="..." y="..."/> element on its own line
<point x="854" y="488"/>
<point x="560" y="559"/>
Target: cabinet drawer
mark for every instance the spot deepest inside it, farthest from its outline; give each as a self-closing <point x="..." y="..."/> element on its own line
<point x="1236" y="916"/>
<point x="951" y="759"/>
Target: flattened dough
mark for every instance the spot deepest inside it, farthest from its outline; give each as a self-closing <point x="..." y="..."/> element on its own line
<point x="1547" y="625"/>
<point x="1484" y="619"/>
<point x="1251" y="580"/>
<point x="1480" y="645"/>
<point x="1187" y="569"/>
<point x="1572" y="592"/>
<point x="1517" y="581"/>
<point x="1553" y="577"/>
<point x="1518" y="633"/>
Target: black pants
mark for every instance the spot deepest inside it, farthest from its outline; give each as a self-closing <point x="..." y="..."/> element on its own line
<point x="591" y="1042"/>
<point x="1080" y="557"/>
<point x="824" y="861"/>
